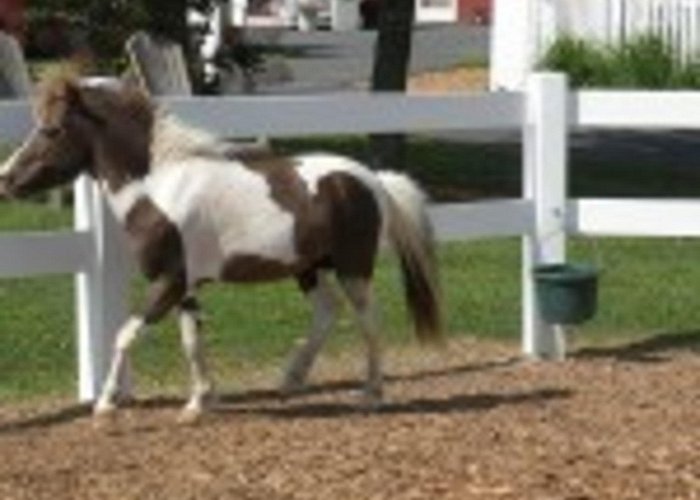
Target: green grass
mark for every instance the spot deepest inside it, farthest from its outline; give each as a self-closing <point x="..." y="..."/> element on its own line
<point x="648" y="286"/>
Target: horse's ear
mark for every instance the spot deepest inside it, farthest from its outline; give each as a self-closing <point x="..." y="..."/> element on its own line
<point x="73" y="93"/>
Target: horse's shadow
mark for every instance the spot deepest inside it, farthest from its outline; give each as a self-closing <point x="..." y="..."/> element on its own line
<point x="654" y="349"/>
<point x="46" y="419"/>
<point x="227" y="404"/>
<point x="461" y="403"/>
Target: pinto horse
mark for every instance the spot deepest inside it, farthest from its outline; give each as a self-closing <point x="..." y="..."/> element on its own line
<point x="196" y="210"/>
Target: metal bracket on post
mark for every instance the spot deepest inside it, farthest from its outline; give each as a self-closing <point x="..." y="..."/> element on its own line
<point x="545" y="185"/>
<point x="101" y="289"/>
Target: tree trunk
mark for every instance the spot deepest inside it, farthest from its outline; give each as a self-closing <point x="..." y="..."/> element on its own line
<point x="391" y="62"/>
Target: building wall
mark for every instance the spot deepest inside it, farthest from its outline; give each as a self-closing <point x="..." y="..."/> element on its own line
<point x="475" y="11"/>
<point x="12" y="16"/>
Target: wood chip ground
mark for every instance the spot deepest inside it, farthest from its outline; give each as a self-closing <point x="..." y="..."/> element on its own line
<point x="469" y="422"/>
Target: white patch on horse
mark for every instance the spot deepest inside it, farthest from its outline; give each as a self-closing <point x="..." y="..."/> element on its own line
<point x="222" y="210"/>
<point x="314" y="167"/>
<point x="123" y="201"/>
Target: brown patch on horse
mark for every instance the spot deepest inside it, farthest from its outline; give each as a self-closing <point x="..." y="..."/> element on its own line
<point x="354" y="223"/>
<point x="123" y="146"/>
<point x="154" y="240"/>
<point x="120" y="121"/>
<point x="290" y="192"/>
<point x="253" y="268"/>
<point x="336" y="228"/>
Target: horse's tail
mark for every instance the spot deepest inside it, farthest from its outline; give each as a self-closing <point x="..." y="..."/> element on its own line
<point x="411" y="235"/>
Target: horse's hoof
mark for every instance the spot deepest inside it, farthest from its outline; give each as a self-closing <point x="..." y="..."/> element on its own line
<point x="104" y="416"/>
<point x="190" y="416"/>
<point x="104" y="409"/>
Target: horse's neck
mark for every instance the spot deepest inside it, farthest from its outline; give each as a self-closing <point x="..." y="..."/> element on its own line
<point x="173" y="142"/>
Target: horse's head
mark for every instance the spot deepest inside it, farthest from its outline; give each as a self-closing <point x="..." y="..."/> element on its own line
<point x="79" y="128"/>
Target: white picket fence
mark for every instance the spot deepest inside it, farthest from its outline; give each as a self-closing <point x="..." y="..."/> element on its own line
<point x="546" y="111"/>
<point x="523" y="29"/>
<point x="614" y="21"/>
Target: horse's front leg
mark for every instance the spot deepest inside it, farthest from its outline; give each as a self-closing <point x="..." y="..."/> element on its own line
<point x="192" y="346"/>
<point x="163" y="294"/>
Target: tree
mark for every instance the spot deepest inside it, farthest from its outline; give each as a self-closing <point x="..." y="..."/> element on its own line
<point x="108" y="23"/>
<point x="391" y="62"/>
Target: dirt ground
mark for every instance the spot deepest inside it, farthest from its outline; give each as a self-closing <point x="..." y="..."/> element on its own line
<point x="469" y="422"/>
<point x="454" y="80"/>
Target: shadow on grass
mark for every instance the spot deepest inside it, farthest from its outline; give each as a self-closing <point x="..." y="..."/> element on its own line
<point x="650" y="350"/>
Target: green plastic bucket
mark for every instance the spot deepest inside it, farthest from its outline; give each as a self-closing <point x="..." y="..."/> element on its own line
<point x="567" y="294"/>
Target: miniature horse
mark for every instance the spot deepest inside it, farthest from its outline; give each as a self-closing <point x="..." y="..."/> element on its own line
<point x="194" y="211"/>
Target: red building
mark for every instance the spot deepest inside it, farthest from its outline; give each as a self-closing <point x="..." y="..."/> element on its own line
<point x="475" y="11"/>
<point x="12" y="16"/>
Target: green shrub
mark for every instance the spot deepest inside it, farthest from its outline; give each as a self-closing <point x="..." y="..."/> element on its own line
<point x="645" y="61"/>
<point x="586" y="63"/>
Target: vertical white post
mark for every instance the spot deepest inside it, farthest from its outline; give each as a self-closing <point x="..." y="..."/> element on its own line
<point x="514" y="33"/>
<point x="345" y="15"/>
<point x="291" y="13"/>
<point x="239" y="12"/>
<point x="544" y="183"/>
<point x="101" y="289"/>
<point x="549" y="24"/>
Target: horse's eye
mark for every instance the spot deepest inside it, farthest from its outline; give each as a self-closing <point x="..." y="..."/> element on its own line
<point x="50" y="132"/>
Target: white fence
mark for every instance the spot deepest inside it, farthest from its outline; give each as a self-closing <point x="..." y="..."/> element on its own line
<point x="545" y="113"/>
<point x="613" y="21"/>
<point x="523" y="29"/>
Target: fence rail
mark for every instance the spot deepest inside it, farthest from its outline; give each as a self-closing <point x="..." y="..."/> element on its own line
<point x="546" y="112"/>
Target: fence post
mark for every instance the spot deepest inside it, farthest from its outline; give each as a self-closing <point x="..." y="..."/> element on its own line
<point x="101" y="289"/>
<point x="514" y="42"/>
<point x="544" y="183"/>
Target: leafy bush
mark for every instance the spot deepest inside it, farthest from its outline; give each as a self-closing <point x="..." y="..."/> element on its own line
<point x="586" y="63"/>
<point x="644" y="61"/>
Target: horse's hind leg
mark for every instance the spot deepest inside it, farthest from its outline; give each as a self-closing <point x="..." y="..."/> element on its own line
<point x="359" y="292"/>
<point x="325" y="304"/>
<point x="192" y="347"/>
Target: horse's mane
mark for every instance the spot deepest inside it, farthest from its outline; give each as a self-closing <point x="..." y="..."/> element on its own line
<point x="172" y="141"/>
<point x="53" y="84"/>
<point x="64" y="82"/>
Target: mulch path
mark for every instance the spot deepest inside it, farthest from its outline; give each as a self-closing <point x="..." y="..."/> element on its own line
<point x="462" y="79"/>
<point x="471" y="421"/>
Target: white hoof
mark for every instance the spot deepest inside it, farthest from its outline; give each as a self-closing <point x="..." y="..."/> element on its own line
<point x="190" y="416"/>
<point x="104" y="409"/>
